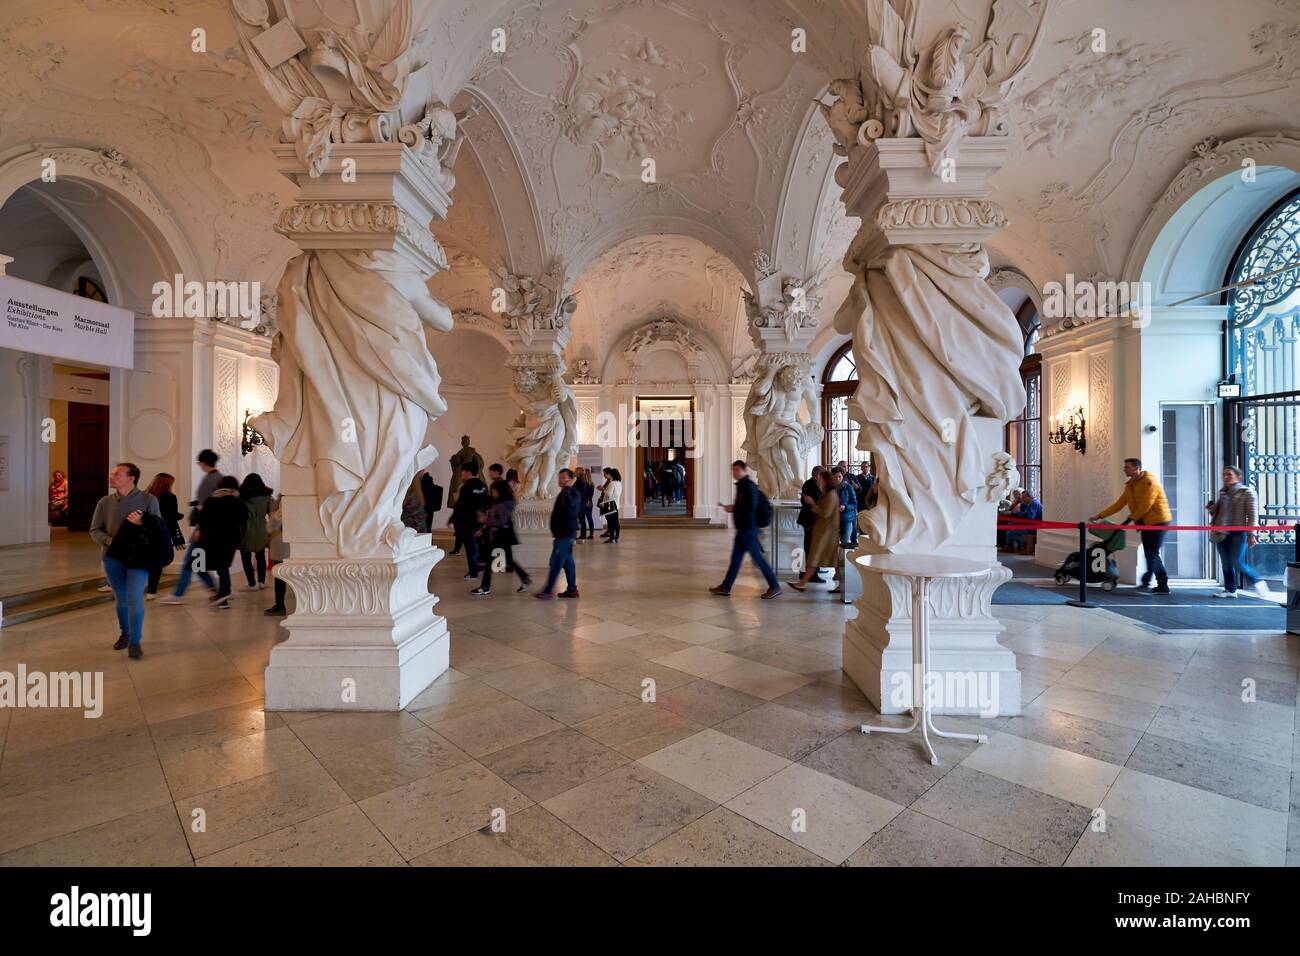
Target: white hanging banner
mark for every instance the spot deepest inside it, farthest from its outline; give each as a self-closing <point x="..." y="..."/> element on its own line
<point x="49" y="322"/>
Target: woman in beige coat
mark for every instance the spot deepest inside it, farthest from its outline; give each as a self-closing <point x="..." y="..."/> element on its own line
<point x="825" y="551"/>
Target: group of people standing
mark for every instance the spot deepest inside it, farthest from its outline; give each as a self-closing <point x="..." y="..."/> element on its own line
<point x="483" y="521"/>
<point x="665" y="480"/>
<point x="227" y="517"/>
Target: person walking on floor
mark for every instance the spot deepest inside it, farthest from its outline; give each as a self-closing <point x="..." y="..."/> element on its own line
<point x="279" y="549"/>
<point x="564" y="528"/>
<point x="471" y="499"/>
<point x="745" y="512"/>
<point x="499" y="532"/>
<point x="1236" y="506"/>
<point x="220" y="531"/>
<point x="1147" y="505"/>
<point x="125" y="504"/>
<point x="587" y="491"/>
<point x="207" y="462"/>
<point x="161" y="488"/>
<point x="825" y="552"/>
<point x="256" y="536"/>
<point x="431" y="492"/>
<point x="610" y="493"/>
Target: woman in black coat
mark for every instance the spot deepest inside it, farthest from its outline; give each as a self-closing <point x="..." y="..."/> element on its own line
<point x="161" y="488"/>
<point x="221" y="527"/>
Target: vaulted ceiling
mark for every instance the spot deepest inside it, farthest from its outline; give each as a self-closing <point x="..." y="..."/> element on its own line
<point x="712" y="91"/>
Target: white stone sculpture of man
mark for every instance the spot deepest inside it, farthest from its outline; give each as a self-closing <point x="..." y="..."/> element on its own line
<point x="776" y="441"/>
<point x="545" y="435"/>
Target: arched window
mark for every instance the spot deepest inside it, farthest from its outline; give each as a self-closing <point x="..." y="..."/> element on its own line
<point x="1263" y="359"/>
<point x="839" y="382"/>
<point x="1024" y="436"/>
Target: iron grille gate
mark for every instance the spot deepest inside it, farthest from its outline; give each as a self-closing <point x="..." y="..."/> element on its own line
<point x="1265" y="432"/>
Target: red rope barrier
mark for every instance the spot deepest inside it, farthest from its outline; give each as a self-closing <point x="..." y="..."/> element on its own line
<point x="1027" y="524"/>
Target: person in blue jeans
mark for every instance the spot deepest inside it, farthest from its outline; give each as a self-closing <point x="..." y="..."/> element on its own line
<point x="564" y="529"/>
<point x="126" y="503"/>
<point x="747" y="535"/>
<point x="848" y="493"/>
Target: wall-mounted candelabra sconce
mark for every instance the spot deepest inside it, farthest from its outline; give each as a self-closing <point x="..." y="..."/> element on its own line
<point x="251" y="436"/>
<point x="1069" y="428"/>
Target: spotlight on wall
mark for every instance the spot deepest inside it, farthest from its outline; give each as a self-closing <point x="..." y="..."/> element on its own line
<point x="251" y="436"/>
<point x="1069" y="428"/>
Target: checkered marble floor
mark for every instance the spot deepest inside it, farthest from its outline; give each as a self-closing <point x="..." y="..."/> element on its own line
<point x="1134" y="748"/>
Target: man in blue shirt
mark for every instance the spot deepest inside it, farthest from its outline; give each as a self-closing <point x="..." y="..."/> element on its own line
<point x="564" y="529"/>
<point x="1031" y="509"/>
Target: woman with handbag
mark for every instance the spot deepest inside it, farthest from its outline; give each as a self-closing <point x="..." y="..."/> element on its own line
<point x="161" y="488"/>
<point x="498" y="531"/>
<point x="118" y="527"/>
<point x="610" y="493"/>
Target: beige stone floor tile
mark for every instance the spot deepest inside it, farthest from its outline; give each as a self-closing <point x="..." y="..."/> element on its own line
<point x="1122" y="844"/>
<point x="252" y="808"/>
<point x="781" y="730"/>
<point x="342" y="837"/>
<point x="425" y="814"/>
<point x="1051" y="770"/>
<point x="714" y="765"/>
<point x="707" y="703"/>
<point x="607" y="632"/>
<point x="760" y="680"/>
<point x="527" y="679"/>
<point x="628" y="809"/>
<point x="724" y="838"/>
<point x="195" y="700"/>
<point x="638" y="729"/>
<point x="24" y="772"/>
<point x="213" y="726"/>
<point x="575" y="701"/>
<point x="487" y="731"/>
<point x="632" y="680"/>
<point x="548" y="765"/>
<point x="700" y="661"/>
<point x="1134" y="714"/>
<point x="911" y="839"/>
<point x="815" y="811"/>
<point x="150" y="837"/>
<point x="389" y="762"/>
<point x="445" y="699"/>
<point x="532" y="837"/>
<point x="334" y="732"/>
<point x="1218" y="824"/>
<point x="63" y="808"/>
<point x="201" y="769"/>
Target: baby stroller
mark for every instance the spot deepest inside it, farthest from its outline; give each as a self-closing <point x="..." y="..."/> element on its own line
<point x="1100" y="555"/>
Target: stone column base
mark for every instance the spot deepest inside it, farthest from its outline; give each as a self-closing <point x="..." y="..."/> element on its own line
<point x="979" y="675"/>
<point x="532" y="521"/>
<point x="364" y="635"/>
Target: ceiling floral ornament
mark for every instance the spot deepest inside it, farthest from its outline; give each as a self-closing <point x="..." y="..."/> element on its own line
<point x="531" y="304"/>
<point x="939" y="92"/>
<point x="617" y="111"/>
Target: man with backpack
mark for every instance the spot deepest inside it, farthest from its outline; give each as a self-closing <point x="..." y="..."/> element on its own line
<point x="752" y="512"/>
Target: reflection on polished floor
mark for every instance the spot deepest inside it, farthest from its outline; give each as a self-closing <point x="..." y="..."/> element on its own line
<point x="541" y="722"/>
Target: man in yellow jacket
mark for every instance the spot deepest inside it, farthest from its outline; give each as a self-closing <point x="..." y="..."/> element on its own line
<point x="1147" y="504"/>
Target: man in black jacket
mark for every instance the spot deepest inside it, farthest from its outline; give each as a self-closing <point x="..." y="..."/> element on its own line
<point x="431" y="491"/>
<point x="747" y="534"/>
<point x="471" y="499"/>
<point x="564" y="529"/>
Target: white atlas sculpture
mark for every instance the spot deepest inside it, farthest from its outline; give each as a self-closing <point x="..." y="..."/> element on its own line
<point x="545" y="435"/>
<point x="777" y="442"/>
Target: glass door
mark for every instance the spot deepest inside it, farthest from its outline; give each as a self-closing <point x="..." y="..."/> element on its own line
<point x="1187" y="471"/>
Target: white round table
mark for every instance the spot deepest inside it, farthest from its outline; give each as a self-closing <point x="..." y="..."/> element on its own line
<point x="921" y="570"/>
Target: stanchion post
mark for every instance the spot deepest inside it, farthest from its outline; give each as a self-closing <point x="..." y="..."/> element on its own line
<point x="1082" y="600"/>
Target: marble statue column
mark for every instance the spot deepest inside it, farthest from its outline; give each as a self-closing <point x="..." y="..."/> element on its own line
<point x="544" y="437"/>
<point x="923" y="128"/>
<point x="782" y="412"/>
<point x="369" y="149"/>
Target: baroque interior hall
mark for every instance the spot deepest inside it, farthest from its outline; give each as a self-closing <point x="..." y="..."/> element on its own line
<point x="1025" y="269"/>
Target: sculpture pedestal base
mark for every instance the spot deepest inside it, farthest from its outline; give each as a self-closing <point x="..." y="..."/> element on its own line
<point x="783" y="538"/>
<point x="964" y="650"/>
<point x="364" y="635"/>
<point x="532" y="521"/>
